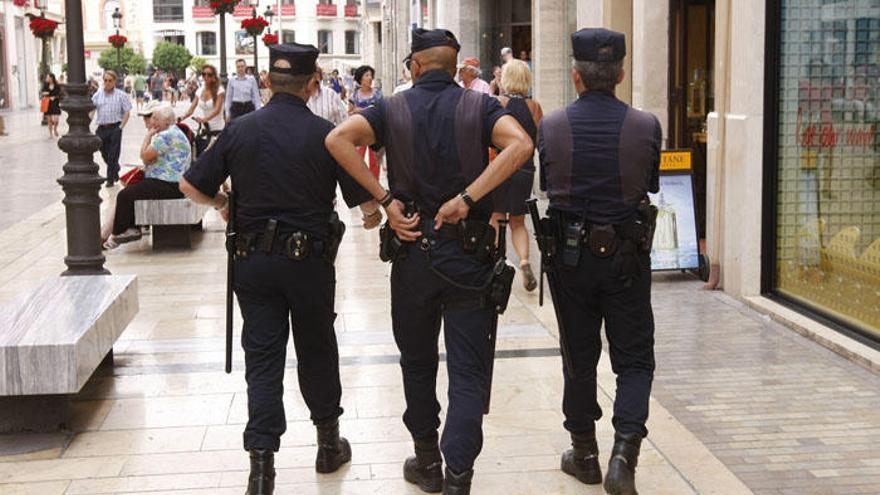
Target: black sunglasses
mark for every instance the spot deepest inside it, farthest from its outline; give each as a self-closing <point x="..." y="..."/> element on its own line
<point x="205" y="74"/>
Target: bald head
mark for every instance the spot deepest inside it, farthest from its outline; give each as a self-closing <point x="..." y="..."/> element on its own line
<point x="297" y="85"/>
<point x="441" y="57"/>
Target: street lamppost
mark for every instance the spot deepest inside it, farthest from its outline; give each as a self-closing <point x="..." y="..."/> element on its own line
<point x="269" y="14"/>
<point x="44" y="49"/>
<point x="80" y="181"/>
<point x="223" y="78"/>
<point x="254" y="5"/>
<point x="117" y="20"/>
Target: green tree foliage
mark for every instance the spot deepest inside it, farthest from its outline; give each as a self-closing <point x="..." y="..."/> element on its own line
<point x="171" y="57"/>
<point x="197" y="64"/>
<point x="132" y="62"/>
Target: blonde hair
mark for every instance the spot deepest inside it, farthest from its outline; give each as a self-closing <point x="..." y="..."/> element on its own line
<point x="516" y="78"/>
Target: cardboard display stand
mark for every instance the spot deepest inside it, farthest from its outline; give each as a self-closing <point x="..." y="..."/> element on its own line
<point x="676" y="245"/>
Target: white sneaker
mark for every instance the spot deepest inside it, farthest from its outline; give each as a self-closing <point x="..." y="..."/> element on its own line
<point x="110" y="244"/>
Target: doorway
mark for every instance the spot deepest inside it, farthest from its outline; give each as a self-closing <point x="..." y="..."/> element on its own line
<point x="21" y="67"/>
<point x="506" y="23"/>
<point x="691" y="88"/>
<point x="4" y="86"/>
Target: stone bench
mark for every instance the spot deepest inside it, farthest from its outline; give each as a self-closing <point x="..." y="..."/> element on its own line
<point x="52" y="339"/>
<point x="171" y="220"/>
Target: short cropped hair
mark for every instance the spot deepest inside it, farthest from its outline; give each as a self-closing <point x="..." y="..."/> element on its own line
<point x="599" y="76"/>
<point x="361" y="71"/>
<point x="112" y="74"/>
<point x="288" y="83"/>
<point x="516" y="78"/>
<point x="164" y="115"/>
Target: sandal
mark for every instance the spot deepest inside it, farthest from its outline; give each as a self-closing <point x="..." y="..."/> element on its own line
<point x="529" y="281"/>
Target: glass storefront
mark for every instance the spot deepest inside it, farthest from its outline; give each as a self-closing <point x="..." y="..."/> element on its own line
<point x="827" y="226"/>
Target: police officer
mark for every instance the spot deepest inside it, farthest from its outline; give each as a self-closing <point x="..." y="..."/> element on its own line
<point x="284" y="182"/>
<point x="437" y="136"/>
<point x="599" y="160"/>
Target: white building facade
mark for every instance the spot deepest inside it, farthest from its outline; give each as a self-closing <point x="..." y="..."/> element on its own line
<point x="21" y="53"/>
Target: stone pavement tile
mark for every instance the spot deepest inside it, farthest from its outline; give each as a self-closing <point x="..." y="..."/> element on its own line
<point x="168" y="411"/>
<point x="137" y="441"/>
<point x="60" y="469"/>
<point x="47" y="488"/>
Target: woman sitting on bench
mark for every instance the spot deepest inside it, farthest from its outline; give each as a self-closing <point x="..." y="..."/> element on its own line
<point x="166" y="155"/>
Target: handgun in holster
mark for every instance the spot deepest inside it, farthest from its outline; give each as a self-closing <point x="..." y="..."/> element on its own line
<point x="334" y="238"/>
<point x="391" y="247"/>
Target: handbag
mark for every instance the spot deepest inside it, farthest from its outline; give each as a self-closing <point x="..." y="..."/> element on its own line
<point x="44" y="104"/>
<point x="132" y="177"/>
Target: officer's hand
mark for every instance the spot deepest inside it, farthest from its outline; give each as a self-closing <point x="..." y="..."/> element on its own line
<point x="452" y="212"/>
<point x="405" y="227"/>
<point x="371" y="214"/>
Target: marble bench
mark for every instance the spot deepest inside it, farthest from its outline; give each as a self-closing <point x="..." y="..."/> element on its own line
<point x="52" y="339"/>
<point x="171" y="220"/>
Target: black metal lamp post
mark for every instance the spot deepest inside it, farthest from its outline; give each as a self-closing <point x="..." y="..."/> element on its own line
<point x="269" y="14"/>
<point x="80" y="181"/>
<point x="223" y="78"/>
<point x="117" y="20"/>
<point x="254" y="5"/>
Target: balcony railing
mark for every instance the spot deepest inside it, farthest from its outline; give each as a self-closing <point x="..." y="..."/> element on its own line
<point x="202" y="12"/>
<point x="242" y="10"/>
<point x="327" y="10"/>
<point x="351" y="11"/>
<point x="288" y="10"/>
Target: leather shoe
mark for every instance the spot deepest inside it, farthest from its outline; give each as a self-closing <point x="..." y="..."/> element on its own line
<point x="425" y="469"/>
<point x="582" y="460"/>
<point x="262" y="478"/>
<point x="620" y="479"/>
<point x="457" y="484"/>
<point x="333" y="450"/>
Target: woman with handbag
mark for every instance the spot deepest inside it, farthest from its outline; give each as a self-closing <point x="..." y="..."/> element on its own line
<point x="51" y="103"/>
<point x="166" y="154"/>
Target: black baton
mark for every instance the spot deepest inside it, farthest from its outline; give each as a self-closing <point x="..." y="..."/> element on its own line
<point x="230" y="278"/>
<point x="493" y="331"/>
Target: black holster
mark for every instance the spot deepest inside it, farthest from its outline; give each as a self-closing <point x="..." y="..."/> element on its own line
<point x="334" y="238"/>
<point x="391" y="248"/>
<point x="499" y="289"/>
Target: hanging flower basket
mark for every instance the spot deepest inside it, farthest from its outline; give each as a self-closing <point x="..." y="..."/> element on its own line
<point x="20" y="3"/>
<point x="42" y="27"/>
<point x="117" y="40"/>
<point x="221" y="7"/>
<point x="270" y="39"/>
<point x="254" y="25"/>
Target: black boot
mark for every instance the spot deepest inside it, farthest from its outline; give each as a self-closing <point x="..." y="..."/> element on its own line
<point x="620" y="479"/>
<point x="262" y="478"/>
<point x="425" y="469"/>
<point x="333" y="450"/>
<point x="457" y="484"/>
<point x="582" y="460"/>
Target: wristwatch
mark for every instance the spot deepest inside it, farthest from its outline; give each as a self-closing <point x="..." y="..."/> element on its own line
<point x="468" y="200"/>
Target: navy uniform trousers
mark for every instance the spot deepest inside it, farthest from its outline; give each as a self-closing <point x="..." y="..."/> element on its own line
<point x="588" y="295"/>
<point x="275" y="292"/>
<point x="420" y="299"/>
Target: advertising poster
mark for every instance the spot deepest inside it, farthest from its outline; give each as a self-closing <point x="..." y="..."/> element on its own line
<point x="675" y="239"/>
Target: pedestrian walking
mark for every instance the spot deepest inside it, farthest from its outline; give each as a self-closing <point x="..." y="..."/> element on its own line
<point x="326" y="103"/>
<point x="242" y="92"/>
<point x="207" y="105"/>
<point x="600" y="157"/>
<point x="439" y="271"/>
<point x="510" y="197"/>
<point x="113" y="108"/>
<point x="140" y="86"/>
<point x="156" y="85"/>
<point x="285" y="240"/>
<point x="469" y="76"/>
<point x="365" y="96"/>
<point x="52" y="92"/>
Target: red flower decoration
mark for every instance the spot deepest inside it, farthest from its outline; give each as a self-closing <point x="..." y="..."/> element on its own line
<point x="42" y="27"/>
<point x="223" y="6"/>
<point x="270" y="39"/>
<point x="117" y="40"/>
<point x="254" y="25"/>
<point x="20" y="3"/>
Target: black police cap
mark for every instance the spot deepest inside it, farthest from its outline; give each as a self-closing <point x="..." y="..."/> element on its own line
<point x="422" y="39"/>
<point x="301" y="58"/>
<point x="598" y="45"/>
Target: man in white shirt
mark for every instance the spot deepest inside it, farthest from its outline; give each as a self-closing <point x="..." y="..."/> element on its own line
<point x="326" y="103"/>
<point x="242" y="92"/>
<point x="469" y="73"/>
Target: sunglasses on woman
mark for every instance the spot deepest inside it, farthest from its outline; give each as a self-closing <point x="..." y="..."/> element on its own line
<point x="207" y="74"/>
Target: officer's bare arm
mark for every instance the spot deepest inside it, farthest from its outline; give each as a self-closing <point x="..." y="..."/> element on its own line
<point x="219" y="201"/>
<point x="516" y="146"/>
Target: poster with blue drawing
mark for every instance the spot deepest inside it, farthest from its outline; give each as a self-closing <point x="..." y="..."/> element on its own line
<point x="675" y="239"/>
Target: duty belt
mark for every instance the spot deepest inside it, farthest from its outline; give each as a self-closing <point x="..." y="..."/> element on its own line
<point x="294" y="245"/>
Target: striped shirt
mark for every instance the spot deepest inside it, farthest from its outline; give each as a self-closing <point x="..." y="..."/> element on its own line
<point x="242" y="90"/>
<point x="110" y="107"/>
<point x="327" y="104"/>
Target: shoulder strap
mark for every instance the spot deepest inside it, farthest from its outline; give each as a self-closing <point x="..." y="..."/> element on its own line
<point x="469" y="133"/>
<point x="399" y="143"/>
<point x="557" y="153"/>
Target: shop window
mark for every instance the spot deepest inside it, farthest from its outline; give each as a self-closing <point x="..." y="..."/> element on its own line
<point x="288" y="36"/>
<point x="167" y="11"/>
<point x="827" y="227"/>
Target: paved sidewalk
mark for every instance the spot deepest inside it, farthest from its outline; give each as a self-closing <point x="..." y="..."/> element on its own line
<point x="741" y="405"/>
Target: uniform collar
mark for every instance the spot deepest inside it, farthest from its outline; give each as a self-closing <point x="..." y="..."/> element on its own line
<point x="435" y="76"/>
<point x="597" y="94"/>
<point x="287" y="99"/>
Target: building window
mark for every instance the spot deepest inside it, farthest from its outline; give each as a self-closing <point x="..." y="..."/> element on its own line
<point x="109" y="8"/>
<point x="827" y="168"/>
<point x="325" y="41"/>
<point x="325" y="2"/>
<point x="288" y="36"/>
<point x="244" y="43"/>
<point x="206" y="43"/>
<point x="168" y="10"/>
<point x="352" y="43"/>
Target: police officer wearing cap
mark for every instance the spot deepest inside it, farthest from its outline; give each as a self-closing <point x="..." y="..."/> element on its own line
<point x="284" y="183"/>
<point x="437" y="136"/>
<point x="600" y="158"/>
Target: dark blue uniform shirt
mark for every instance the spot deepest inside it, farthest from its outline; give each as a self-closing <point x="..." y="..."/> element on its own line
<point x="279" y="167"/>
<point x="437" y="136"/>
<point x="599" y="158"/>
